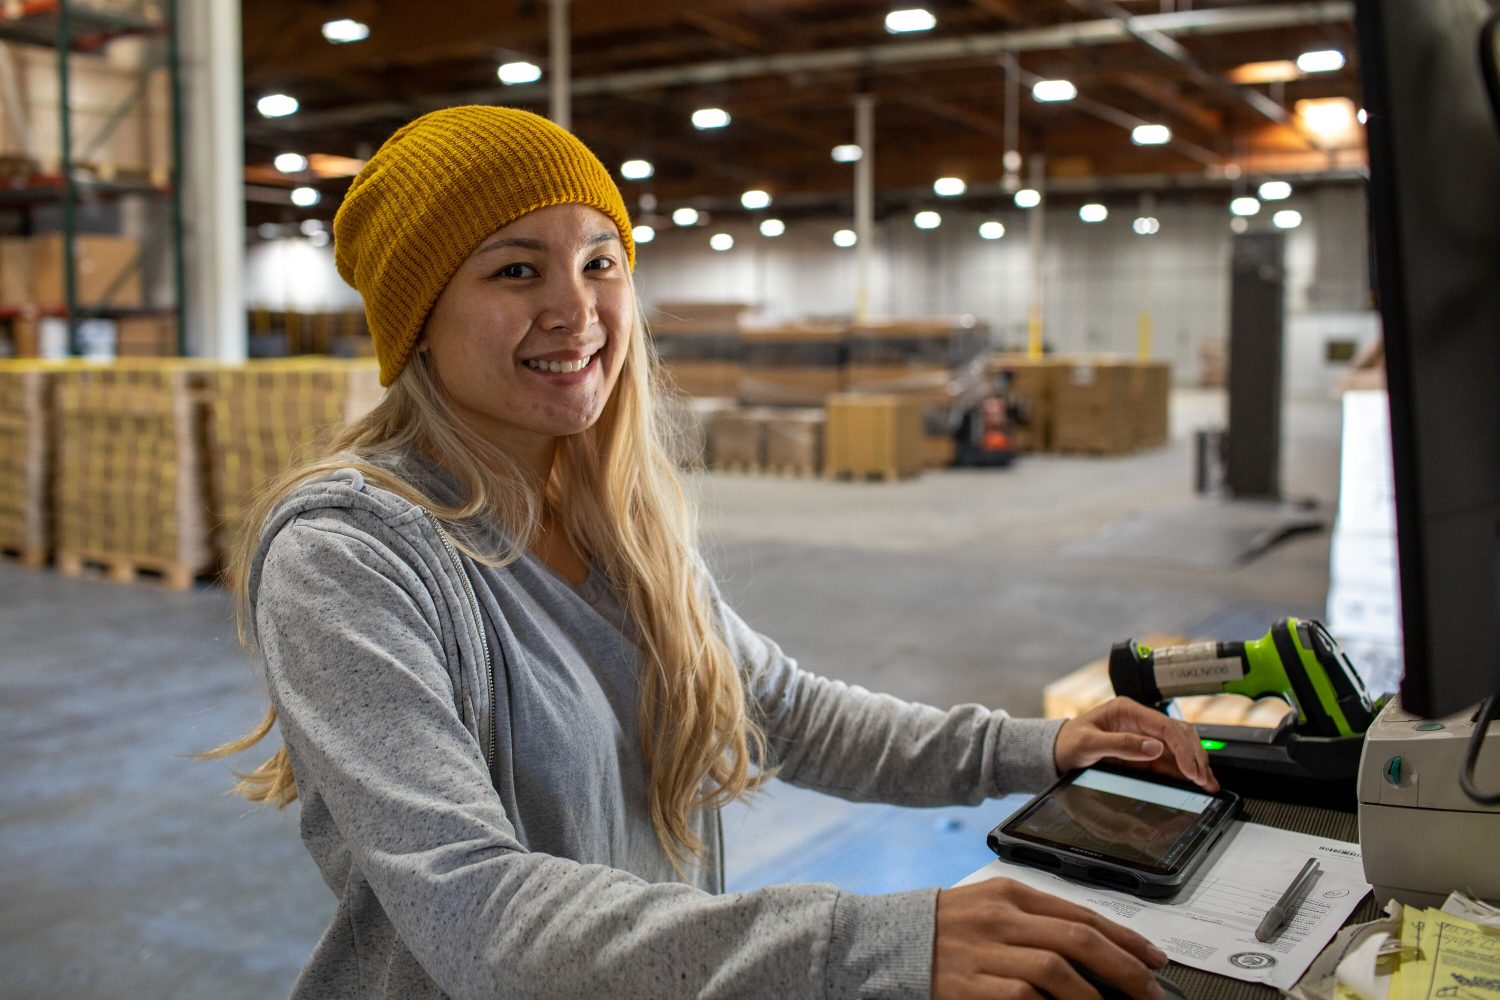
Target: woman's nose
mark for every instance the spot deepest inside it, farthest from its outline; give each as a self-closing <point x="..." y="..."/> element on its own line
<point x="568" y="305"/>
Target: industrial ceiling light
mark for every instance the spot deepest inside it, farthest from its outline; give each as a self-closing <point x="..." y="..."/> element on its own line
<point x="1321" y="61"/>
<point x="290" y="163"/>
<point x="1330" y="118"/>
<point x="319" y="238"/>
<point x="1362" y="116"/>
<point x="772" y="227"/>
<point x="642" y="234"/>
<point x="991" y="230"/>
<point x="344" y="31"/>
<point x="1028" y="198"/>
<point x="755" y="199"/>
<point x="927" y="220"/>
<point x="1287" y="218"/>
<point x="1150" y="135"/>
<point x="1146" y="225"/>
<point x="305" y="197"/>
<point x="1239" y="224"/>
<point x="1093" y="212"/>
<point x="847" y="153"/>
<point x="268" y="230"/>
<point x="310" y="226"/>
<point x="1245" y="205"/>
<point x="705" y="118"/>
<point x="276" y="106"/>
<point x="899" y="22"/>
<point x="514" y="73"/>
<point x="636" y="170"/>
<point x="1275" y="191"/>
<point x="949" y="187"/>
<point x="721" y="242"/>
<point x="845" y="238"/>
<point x="685" y="217"/>
<point x="1054" y="90"/>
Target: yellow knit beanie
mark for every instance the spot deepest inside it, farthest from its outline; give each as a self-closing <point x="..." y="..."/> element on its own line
<point x="437" y="187"/>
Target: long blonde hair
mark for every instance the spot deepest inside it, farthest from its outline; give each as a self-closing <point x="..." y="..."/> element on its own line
<point x="622" y="505"/>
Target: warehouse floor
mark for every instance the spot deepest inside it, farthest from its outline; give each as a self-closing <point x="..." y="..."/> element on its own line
<point x="128" y="873"/>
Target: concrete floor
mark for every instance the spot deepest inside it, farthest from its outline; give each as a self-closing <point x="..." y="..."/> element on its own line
<point x="128" y="872"/>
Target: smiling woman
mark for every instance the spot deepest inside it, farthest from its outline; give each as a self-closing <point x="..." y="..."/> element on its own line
<point x="511" y="698"/>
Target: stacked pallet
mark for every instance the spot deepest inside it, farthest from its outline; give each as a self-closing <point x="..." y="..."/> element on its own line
<point x="1030" y="384"/>
<point x="26" y="459"/>
<point x="1152" y="390"/>
<point x="267" y="415"/>
<point x="132" y="489"/>
<point x="699" y="346"/>
<point x="793" y="364"/>
<point x="1092" y="408"/>
<point x="870" y="435"/>
<point x="739" y="439"/>
<point x="794" y="441"/>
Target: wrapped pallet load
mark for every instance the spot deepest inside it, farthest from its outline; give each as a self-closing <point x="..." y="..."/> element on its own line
<point x="1094" y="407"/>
<point x="699" y="345"/>
<point x="793" y="364"/>
<point x="1030" y="385"/>
<point x="27" y="461"/>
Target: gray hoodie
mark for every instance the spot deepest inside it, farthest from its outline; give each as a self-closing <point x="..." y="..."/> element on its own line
<point x="465" y="745"/>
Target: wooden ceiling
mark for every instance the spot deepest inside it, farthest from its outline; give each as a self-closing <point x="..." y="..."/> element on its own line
<point x="787" y="72"/>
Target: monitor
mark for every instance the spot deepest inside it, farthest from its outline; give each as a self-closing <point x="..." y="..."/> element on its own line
<point x="1434" y="140"/>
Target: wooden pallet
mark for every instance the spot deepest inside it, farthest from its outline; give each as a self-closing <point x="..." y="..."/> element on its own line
<point x="30" y="556"/>
<point x="872" y="475"/>
<point x="128" y="569"/>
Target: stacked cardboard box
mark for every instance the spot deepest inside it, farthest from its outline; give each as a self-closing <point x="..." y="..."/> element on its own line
<point x="146" y="336"/>
<point x="874" y="435"/>
<point x="795" y="364"/>
<point x="1093" y="407"/>
<point x="794" y="441"/>
<point x="689" y="427"/>
<point x="26" y="459"/>
<point x="104" y="270"/>
<point x="1152" y="403"/>
<point x="739" y="439"/>
<point x="1031" y="387"/>
<point x="270" y="414"/>
<point x="699" y="345"/>
<point x="131" y="486"/>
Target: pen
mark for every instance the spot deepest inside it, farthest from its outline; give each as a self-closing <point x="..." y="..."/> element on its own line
<point x="1284" y="907"/>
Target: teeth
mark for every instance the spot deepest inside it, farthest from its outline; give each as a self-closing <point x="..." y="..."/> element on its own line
<point x="560" y="366"/>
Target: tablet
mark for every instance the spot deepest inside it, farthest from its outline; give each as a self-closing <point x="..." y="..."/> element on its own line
<point x="1119" y="829"/>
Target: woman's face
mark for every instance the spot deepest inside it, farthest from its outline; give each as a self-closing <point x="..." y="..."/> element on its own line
<point x="530" y="334"/>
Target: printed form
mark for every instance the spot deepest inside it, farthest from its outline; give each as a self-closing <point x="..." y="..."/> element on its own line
<point x="1211" y="924"/>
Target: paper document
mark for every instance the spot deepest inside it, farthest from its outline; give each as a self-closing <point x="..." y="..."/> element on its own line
<point x="1446" y="956"/>
<point x="1211" y="924"/>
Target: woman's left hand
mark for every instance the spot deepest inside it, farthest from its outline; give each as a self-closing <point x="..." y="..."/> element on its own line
<point x="1124" y="730"/>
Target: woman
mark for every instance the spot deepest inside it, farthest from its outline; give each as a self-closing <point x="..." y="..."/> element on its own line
<point x="511" y="697"/>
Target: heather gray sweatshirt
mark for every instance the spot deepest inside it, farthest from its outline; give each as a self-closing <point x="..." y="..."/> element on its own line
<point x="465" y="745"/>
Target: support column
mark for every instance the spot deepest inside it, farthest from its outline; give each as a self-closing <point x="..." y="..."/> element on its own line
<point x="864" y="202"/>
<point x="1034" y="339"/>
<point x="213" y="178"/>
<point x="560" y="70"/>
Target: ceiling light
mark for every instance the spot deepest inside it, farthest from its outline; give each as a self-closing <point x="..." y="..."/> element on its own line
<point x="1287" y="218"/>
<point x="755" y="199"/>
<point x="1330" y="118"/>
<point x="927" y="220"/>
<point x="1321" y="61"/>
<point x="1150" y="135"/>
<point x="1028" y="198"/>
<point x="845" y="238"/>
<point x="1146" y="226"/>
<point x="1054" y="90"/>
<point x="914" y="19"/>
<point x="642" y="234"/>
<point x="1274" y="71"/>
<point x="290" y="163"/>
<point x="1362" y="116"/>
<point x="1093" y="212"/>
<point x="721" y="242"/>
<point x="772" y="227"/>
<point x="1239" y="224"/>
<point x="514" y="73"/>
<point x="710" y="118"/>
<point x="949" y="187"/>
<point x="685" y="217"/>
<point x="1245" y="205"/>
<point x="319" y="238"/>
<point x="276" y="106"/>
<point x="268" y="230"/>
<point x="310" y="226"/>
<point x="305" y="197"/>
<point x="991" y="230"/>
<point x="636" y="170"/>
<point x="345" y="31"/>
<point x="847" y="153"/>
<point x="1275" y="191"/>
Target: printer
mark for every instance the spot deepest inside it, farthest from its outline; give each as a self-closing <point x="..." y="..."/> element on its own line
<point x="1420" y="835"/>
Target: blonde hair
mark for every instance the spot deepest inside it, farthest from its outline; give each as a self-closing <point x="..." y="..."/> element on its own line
<point x="622" y="506"/>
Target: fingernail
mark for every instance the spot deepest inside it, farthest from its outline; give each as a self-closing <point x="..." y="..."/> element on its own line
<point x="1151" y="747"/>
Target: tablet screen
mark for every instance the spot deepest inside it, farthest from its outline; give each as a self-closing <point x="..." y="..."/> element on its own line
<point x="1128" y="819"/>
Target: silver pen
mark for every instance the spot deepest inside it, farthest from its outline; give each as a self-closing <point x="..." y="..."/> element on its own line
<point x="1283" y="908"/>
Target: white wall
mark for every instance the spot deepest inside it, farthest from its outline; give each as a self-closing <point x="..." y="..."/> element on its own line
<point x="293" y="275"/>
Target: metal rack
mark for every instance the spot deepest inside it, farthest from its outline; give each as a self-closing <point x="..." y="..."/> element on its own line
<point x="67" y="27"/>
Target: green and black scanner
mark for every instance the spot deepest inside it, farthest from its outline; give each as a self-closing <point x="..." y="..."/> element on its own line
<point x="1316" y="747"/>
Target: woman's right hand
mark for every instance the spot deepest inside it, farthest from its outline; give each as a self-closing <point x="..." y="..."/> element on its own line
<point x="1002" y="939"/>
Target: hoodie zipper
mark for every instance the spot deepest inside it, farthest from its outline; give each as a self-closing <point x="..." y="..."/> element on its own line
<point x="484" y="642"/>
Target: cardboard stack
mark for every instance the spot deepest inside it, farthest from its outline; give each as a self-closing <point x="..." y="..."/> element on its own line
<point x="1031" y="382"/>
<point x="794" y="364"/>
<point x="739" y="439"/>
<point x="146" y="336"/>
<point x="269" y="414"/>
<point x="26" y="459"/>
<point x="689" y="427"/>
<point x="1151" y="403"/>
<point x="874" y="435"/>
<point x="131" y="484"/>
<point x="31" y="270"/>
<point x="794" y="441"/>
<point x="699" y="345"/>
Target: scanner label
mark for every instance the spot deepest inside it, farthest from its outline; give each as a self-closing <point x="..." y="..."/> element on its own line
<point x="1194" y="668"/>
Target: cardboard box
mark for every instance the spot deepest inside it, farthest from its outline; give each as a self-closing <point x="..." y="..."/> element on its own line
<point x="146" y="337"/>
<point x="102" y="264"/>
<point x="798" y="364"/>
<point x="739" y="439"/>
<point x="874" y="435"/>
<point x="1030" y="387"/>
<point x="794" y="441"/>
<point x="15" y="272"/>
<point x="1093" y="408"/>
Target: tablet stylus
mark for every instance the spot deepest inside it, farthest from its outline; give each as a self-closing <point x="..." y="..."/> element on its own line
<point x="1283" y="908"/>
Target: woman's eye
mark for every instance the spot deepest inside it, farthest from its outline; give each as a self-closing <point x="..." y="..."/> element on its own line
<point x="516" y="271"/>
<point x="599" y="264"/>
